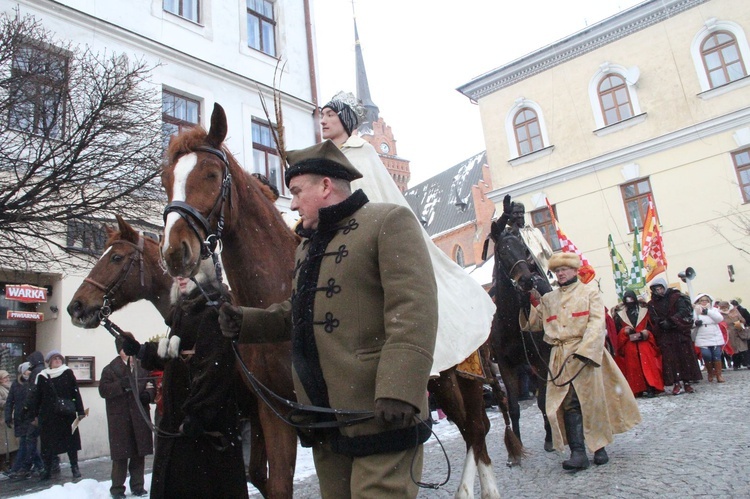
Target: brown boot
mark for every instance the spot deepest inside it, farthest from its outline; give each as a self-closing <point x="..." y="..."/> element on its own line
<point x="717" y="371"/>
<point x="710" y="371"/>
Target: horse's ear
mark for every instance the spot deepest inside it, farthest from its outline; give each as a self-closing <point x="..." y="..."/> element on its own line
<point x="218" y="131"/>
<point x="127" y="232"/>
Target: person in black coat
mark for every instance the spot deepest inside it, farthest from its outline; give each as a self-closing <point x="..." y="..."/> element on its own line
<point x="56" y="381"/>
<point x="130" y="438"/>
<point x="198" y="445"/>
<point x="27" y="434"/>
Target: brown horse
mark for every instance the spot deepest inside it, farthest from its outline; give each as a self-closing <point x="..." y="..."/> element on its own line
<point x="258" y="252"/>
<point x="214" y="201"/>
<point x="129" y="270"/>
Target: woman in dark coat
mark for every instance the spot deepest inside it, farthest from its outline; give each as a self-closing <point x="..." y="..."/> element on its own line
<point x="200" y="452"/>
<point x="27" y="435"/>
<point x="671" y="320"/>
<point x="130" y="438"/>
<point x="56" y="381"/>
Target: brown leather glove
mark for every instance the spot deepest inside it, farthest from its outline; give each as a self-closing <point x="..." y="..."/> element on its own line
<point x="230" y="320"/>
<point x="394" y="412"/>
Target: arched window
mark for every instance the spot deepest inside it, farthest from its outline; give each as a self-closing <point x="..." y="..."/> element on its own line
<point x="614" y="99"/>
<point x="459" y="257"/>
<point x="528" y="132"/>
<point x="721" y="58"/>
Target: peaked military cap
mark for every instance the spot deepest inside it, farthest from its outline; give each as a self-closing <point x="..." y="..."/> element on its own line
<point x="321" y="159"/>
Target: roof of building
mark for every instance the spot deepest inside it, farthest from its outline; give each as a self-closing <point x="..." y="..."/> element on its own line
<point x="444" y="201"/>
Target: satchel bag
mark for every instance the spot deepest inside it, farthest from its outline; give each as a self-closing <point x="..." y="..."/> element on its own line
<point x="61" y="406"/>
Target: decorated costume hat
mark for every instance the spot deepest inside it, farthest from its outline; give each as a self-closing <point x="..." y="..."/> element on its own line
<point x="564" y="260"/>
<point x="321" y="159"/>
<point x="345" y="105"/>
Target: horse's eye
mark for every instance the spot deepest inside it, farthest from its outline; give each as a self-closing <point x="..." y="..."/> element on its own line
<point x="117" y="258"/>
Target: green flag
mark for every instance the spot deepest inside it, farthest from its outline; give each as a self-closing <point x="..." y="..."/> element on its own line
<point x="619" y="268"/>
<point x="637" y="279"/>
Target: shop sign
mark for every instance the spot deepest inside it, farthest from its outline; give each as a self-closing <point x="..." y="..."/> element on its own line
<point x="25" y="293"/>
<point x="20" y="315"/>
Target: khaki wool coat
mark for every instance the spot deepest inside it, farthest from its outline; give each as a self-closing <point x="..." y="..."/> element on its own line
<point x="375" y="310"/>
<point x="573" y="321"/>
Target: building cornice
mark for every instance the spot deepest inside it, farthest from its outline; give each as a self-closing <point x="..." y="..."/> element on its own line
<point x="626" y="155"/>
<point x="159" y="49"/>
<point x="593" y="37"/>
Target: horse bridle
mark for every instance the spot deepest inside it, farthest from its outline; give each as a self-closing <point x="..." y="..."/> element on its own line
<point x="108" y="299"/>
<point x="195" y="219"/>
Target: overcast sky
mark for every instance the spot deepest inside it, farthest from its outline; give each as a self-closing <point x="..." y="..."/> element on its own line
<point x="417" y="52"/>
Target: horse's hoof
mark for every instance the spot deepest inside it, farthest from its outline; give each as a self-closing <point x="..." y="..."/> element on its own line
<point x="548" y="447"/>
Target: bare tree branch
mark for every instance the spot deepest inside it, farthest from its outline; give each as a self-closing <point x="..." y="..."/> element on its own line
<point x="81" y="135"/>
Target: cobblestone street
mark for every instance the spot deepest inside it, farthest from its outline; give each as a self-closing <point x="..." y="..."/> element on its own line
<point x="687" y="446"/>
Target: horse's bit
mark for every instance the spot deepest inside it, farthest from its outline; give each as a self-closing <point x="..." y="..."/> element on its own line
<point x="195" y="219"/>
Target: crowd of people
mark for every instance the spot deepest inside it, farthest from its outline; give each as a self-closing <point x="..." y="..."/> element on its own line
<point x="664" y="343"/>
<point x="43" y="405"/>
<point x="374" y="357"/>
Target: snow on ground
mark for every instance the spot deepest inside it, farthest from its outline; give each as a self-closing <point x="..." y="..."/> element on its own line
<point x="91" y="489"/>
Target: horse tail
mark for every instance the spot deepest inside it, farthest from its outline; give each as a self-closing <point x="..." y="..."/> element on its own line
<point x="513" y="445"/>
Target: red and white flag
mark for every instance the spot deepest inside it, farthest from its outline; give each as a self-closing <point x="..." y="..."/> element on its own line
<point x="652" y="246"/>
<point x="586" y="272"/>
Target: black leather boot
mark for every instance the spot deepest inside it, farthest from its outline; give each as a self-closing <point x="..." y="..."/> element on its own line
<point x="76" y="472"/>
<point x="601" y="457"/>
<point x="574" y="431"/>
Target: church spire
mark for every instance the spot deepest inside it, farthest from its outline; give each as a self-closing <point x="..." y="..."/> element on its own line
<point x="363" y="88"/>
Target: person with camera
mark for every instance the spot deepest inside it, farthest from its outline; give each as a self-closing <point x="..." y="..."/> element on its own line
<point x="671" y="321"/>
<point x="638" y="357"/>
<point x="708" y="336"/>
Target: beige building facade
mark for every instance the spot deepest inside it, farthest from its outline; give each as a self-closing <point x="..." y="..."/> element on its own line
<point x="652" y="101"/>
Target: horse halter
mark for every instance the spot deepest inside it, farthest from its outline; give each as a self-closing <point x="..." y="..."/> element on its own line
<point x="106" y="309"/>
<point x="195" y="219"/>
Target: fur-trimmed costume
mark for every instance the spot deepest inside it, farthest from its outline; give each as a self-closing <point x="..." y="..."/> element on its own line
<point x="198" y="395"/>
<point x="573" y="320"/>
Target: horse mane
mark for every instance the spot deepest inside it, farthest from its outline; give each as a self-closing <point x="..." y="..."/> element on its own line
<point x="195" y="137"/>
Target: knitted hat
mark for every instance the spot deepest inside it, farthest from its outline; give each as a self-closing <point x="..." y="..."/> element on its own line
<point x="321" y="159"/>
<point x="345" y="112"/>
<point x="564" y="260"/>
<point x="53" y="353"/>
<point x="23" y="367"/>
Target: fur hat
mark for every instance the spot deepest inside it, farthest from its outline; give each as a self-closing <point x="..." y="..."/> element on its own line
<point x="564" y="260"/>
<point x="23" y="367"/>
<point x="321" y="159"/>
<point x="53" y="353"/>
